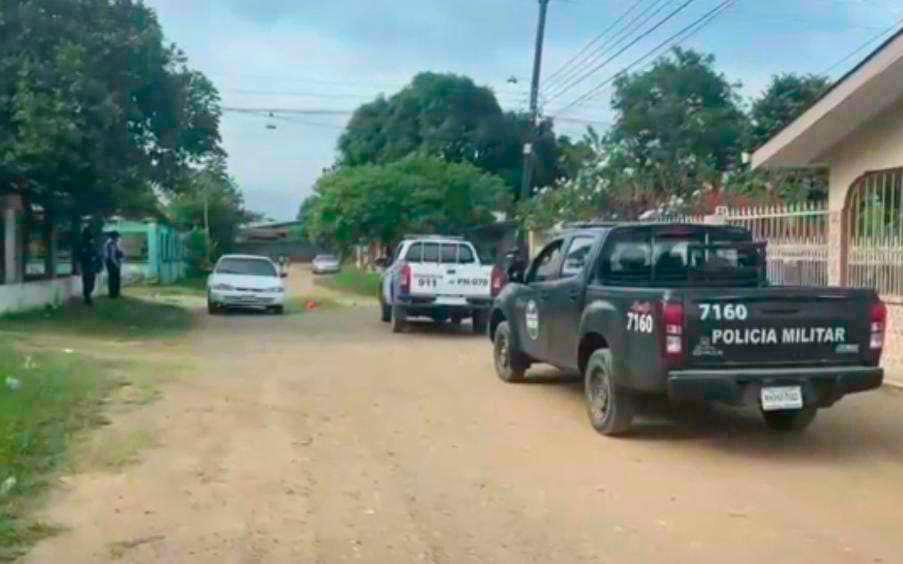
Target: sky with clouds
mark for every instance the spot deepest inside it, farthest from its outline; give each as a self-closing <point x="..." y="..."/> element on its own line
<point x="328" y="57"/>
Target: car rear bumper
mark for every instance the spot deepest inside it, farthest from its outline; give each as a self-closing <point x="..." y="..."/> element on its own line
<point x="822" y="386"/>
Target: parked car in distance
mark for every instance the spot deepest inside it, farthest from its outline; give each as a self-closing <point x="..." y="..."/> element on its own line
<point x="437" y="277"/>
<point x="685" y="311"/>
<point x="245" y="282"/>
<point x="326" y="264"/>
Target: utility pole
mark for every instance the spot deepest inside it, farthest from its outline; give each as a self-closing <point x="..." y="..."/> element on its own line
<point x="534" y="102"/>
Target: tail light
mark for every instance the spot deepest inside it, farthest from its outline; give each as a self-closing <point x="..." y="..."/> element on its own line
<point x="498" y="281"/>
<point x="673" y="320"/>
<point x="405" y="284"/>
<point x="878" y="325"/>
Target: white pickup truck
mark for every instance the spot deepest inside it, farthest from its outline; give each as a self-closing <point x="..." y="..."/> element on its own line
<point x="438" y="277"/>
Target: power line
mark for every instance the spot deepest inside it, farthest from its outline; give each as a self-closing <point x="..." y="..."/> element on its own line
<point x="290" y="111"/>
<point x="552" y="77"/>
<point x="871" y="41"/>
<point x="638" y="21"/>
<point x="636" y="40"/>
<point x="689" y="30"/>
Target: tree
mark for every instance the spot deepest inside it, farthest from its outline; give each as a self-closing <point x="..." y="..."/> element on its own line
<point x="210" y="196"/>
<point x="95" y="111"/>
<point x="680" y="122"/>
<point x="382" y="202"/>
<point x="447" y="116"/>
<point x="785" y="99"/>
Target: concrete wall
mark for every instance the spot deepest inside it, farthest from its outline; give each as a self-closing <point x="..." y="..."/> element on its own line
<point x="878" y="145"/>
<point x="30" y="295"/>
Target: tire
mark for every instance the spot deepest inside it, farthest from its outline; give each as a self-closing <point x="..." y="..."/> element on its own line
<point x="456" y="320"/>
<point x="610" y="408"/>
<point x="399" y="319"/>
<point x="479" y="322"/>
<point x="212" y="308"/>
<point x="278" y="310"/>
<point x="791" y="421"/>
<point x="510" y="364"/>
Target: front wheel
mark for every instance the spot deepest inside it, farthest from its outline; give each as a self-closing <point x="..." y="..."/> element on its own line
<point x="212" y="308"/>
<point x="791" y="420"/>
<point x="278" y="310"/>
<point x="609" y="407"/>
<point x="510" y="364"/>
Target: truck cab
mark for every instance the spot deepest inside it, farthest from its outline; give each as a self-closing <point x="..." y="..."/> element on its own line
<point x="684" y="311"/>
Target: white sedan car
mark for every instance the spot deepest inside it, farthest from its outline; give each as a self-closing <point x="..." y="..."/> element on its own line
<point x="326" y="264"/>
<point x="247" y="282"/>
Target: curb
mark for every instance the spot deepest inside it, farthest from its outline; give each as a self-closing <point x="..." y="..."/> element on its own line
<point x="894" y="384"/>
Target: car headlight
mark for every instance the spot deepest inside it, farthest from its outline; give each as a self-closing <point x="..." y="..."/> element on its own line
<point x="223" y="287"/>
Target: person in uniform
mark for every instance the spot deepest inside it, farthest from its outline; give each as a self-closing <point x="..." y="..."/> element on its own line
<point x="113" y="256"/>
<point x="90" y="264"/>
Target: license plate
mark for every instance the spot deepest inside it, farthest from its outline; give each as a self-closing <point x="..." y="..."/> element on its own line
<point x="782" y="397"/>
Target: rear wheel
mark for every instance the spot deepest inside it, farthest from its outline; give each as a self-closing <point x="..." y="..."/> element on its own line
<point x="479" y="322"/>
<point x="610" y="408"/>
<point x="510" y="364"/>
<point x="399" y="319"/>
<point x="791" y="420"/>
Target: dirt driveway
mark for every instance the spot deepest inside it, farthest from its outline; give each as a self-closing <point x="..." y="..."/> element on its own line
<point x="324" y="438"/>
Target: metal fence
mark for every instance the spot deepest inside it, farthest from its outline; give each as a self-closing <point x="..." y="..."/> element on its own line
<point x="874" y="226"/>
<point x="797" y="237"/>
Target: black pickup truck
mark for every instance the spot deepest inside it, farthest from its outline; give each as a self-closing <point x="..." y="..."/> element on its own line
<point x="684" y="311"/>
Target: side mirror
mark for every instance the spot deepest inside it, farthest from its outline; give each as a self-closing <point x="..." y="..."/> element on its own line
<point x="381" y="262"/>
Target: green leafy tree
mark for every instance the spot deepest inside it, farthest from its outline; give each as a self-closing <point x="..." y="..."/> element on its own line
<point x="447" y="116"/>
<point x="382" y="202"/>
<point x="95" y="110"/>
<point x="211" y="196"/>
<point x="785" y="99"/>
<point x="680" y="122"/>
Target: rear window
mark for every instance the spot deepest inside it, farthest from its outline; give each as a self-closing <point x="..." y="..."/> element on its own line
<point x="680" y="258"/>
<point x="449" y="253"/>
<point x="246" y="267"/>
<point x="465" y="255"/>
<point x="415" y="253"/>
<point x="430" y="252"/>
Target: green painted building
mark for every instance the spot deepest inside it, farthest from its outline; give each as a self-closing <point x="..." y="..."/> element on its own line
<point x="154" y="251"/>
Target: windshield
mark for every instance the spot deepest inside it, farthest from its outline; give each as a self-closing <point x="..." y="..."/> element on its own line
<point x="246" y="267"/>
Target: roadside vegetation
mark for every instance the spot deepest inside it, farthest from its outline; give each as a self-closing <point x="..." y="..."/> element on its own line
<point x="45" y="400"/>
<point x="125" y="319"/>
<point x="352" y="280"/>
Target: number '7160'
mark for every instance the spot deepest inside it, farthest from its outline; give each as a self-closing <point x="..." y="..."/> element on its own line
<point x="726" y="312"/>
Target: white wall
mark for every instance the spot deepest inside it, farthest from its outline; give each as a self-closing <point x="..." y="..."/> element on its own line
<point x="30" y="295"/>
<point x="878" y="145"/>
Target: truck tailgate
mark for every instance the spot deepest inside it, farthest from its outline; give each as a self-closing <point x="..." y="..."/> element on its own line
<point x="450" y="283"/>
<point x="777" y="326"/>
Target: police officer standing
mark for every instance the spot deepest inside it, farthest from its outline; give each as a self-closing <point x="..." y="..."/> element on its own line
<point x="113" y="256"/>
<point x="90" y="264"/>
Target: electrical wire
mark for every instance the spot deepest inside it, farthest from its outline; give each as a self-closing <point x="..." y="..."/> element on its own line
<point x="552" y="77"/>
<point x="856" y="51"/>
<point x="636" y="40"/>
<point x="689" y="31"/>
<point x="638" y="21"/>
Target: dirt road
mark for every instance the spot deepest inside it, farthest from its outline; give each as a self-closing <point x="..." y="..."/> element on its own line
<point x="325" y="438"/>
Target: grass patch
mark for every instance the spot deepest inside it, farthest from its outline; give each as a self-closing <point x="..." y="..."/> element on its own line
<point x="352" y="280"/>
<point x="45" y="399"/>
<point x="191" y="286"/>
<point x="124" y="319"/>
